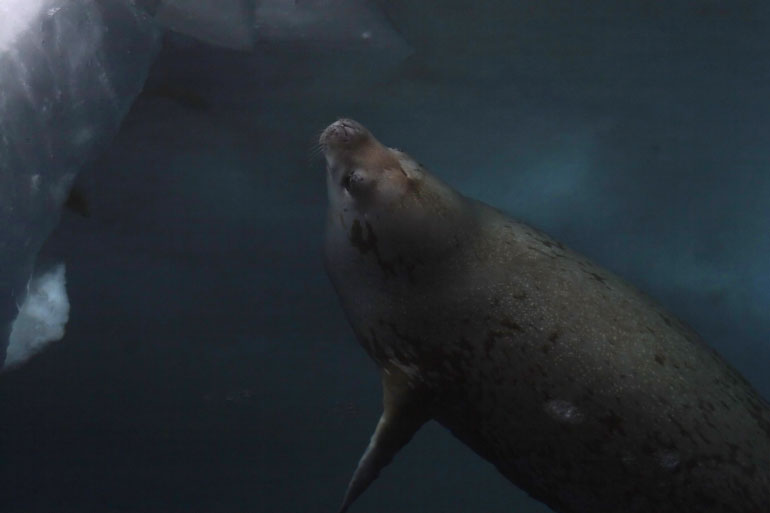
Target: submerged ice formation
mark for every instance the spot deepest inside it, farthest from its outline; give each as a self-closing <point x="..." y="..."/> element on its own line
<point x="42" y="317"/>
<point x="227" y="23"/>
<point x="15" y="17"/>
<point x="238" y="24"/>
<point x="327" y="22"/>
<point x="69" y="70"/>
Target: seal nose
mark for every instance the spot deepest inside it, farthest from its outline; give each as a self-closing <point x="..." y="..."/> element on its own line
<point x="343" y="133"/>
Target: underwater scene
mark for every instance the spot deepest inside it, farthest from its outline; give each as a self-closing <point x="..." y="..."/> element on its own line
<point x="384" y="256"/>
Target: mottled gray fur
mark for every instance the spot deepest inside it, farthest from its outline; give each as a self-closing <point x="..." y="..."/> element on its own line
<point x="575" y="385"/>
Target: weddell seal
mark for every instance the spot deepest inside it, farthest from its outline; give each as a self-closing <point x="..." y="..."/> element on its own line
<point x="576" y="386"/>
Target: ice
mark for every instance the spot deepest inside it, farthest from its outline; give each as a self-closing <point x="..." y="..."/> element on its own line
<point x="42" y="317"/>
<point x="69" y="70"/>
<point x="227" y="23"/>
<point x="557" y="38"/>
<point x="327" y="22"/>
<point x="238" y="24"/>
<point x="15" y="16"/>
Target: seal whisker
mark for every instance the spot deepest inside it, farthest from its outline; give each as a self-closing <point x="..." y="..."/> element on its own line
<point x="316" y="152"/>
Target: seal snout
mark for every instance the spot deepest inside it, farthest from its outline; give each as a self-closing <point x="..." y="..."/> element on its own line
<point x="343" y="134"/>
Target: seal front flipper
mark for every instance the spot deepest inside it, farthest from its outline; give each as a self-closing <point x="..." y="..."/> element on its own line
<point x="405" y="411"/>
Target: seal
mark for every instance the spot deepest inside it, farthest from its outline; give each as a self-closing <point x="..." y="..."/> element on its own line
<point x="575" y="385"/>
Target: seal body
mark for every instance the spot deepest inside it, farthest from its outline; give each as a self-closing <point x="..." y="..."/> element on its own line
<point x="575" y="385"/>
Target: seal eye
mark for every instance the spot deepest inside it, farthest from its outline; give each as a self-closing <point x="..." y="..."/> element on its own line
<point x="358" y="183"/>
<point x="346" y="181"/>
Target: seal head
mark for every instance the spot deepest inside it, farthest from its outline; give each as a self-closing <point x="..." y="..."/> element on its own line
<point x="360" y="167"/>
<point x="383" y="204"/>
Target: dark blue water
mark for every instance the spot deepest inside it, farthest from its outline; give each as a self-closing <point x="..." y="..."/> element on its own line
<point x="207" y="366"/>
